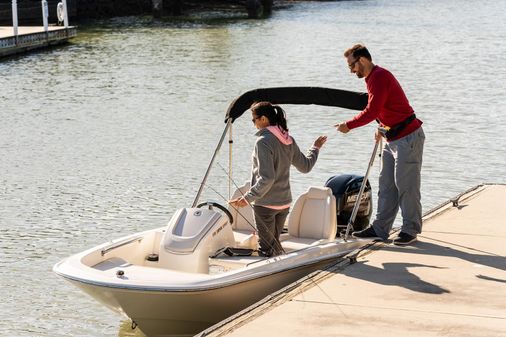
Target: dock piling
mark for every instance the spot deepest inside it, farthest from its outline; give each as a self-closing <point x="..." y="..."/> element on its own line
<point x="65" y="15"/>
<point x="45" y="15"/>
<point x="15" y="18"/>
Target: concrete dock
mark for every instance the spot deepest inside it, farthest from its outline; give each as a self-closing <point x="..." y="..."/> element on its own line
<point x="30" y="38"/>
<point x="452" y="282"/>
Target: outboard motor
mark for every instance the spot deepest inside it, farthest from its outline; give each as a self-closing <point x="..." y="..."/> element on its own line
<point x="192" y="235"/>
<point x="345" y="188"/>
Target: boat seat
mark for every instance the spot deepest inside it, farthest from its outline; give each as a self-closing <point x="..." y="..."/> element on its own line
<point x="312" y="220"/>
<point x="244" y="223"/>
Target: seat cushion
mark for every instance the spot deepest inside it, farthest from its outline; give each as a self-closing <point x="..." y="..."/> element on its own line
<point x="314" y="215"/>
<point x="291" y="243"/>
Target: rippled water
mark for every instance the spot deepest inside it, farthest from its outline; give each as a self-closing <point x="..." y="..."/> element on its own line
<point x="109" y="135"/>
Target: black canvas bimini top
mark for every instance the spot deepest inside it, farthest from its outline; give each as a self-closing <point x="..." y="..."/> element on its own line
<point x="297" y="95"/>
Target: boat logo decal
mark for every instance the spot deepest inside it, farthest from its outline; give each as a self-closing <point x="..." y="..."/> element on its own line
<point x="219" y="229"/>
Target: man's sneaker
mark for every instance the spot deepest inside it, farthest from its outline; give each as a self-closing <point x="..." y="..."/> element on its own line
<point x="404" y="239"/>
<point x="367" y="233"/>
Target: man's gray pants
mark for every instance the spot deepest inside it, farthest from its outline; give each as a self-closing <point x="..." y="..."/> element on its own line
<point x="399" y="185"/>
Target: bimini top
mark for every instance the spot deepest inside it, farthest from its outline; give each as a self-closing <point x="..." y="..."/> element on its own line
<point x="297" y="95"/>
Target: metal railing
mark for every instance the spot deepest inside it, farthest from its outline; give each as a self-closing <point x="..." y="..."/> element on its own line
<point x="45" y="15"/>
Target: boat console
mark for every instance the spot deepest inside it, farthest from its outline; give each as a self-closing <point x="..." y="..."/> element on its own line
<point x="192" y="235"/>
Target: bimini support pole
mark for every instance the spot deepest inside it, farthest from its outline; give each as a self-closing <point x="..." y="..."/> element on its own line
<point x="351" y="221"/>
<point x="230" y="143"/>
<point x="202" y="184"/>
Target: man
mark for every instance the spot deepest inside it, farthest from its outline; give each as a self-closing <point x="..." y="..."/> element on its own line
<point x="399" y="180"/>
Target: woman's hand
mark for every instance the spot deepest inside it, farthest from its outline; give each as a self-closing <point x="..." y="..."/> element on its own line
<point x="238" y="202"/>
<point x="318" y="143"/>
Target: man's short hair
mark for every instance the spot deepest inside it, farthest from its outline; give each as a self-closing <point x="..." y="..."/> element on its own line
<point x="358" y="50"/>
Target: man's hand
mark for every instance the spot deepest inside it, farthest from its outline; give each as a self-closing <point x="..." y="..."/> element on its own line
<point x="342" y="127"/>
<point x="239" y="202"/>
<point x="380" y="132"/>
<point x="378" y="135"/>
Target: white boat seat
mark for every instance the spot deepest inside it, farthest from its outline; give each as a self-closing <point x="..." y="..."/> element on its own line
<point x="312" y="220"/>
<point x="244" y="224"/>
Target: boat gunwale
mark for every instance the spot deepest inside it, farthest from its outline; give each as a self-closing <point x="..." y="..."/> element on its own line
<point x="200" y="288"/>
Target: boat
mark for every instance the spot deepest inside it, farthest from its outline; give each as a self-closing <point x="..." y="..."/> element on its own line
<point x="201" y="268"/>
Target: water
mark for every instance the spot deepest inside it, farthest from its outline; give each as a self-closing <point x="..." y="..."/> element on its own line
<point x="111" y="134"/>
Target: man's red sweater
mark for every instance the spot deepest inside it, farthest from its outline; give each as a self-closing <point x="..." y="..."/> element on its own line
<point x="387" y="103"/>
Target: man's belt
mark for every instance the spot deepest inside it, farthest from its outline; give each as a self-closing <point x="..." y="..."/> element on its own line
<point x="393" y="131"/>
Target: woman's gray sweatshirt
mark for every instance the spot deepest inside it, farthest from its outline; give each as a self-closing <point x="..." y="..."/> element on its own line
<point x="270" y="174"/>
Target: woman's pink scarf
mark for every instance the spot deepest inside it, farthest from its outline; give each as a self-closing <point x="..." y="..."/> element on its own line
<point x="280" y="134"/>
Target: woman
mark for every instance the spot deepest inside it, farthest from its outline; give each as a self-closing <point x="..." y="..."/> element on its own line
<point x="270" y="195"/>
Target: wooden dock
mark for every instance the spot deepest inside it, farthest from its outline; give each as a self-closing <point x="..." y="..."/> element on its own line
<point x="30" y="38"/>
<point x="452" y="282"/>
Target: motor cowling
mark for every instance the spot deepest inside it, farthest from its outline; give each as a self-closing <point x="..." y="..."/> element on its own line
<point x="345" y="188"/>
<point x="192" y="235"/>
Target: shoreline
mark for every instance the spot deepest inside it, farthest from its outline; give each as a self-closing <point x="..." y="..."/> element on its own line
<point x="90" y="10"/>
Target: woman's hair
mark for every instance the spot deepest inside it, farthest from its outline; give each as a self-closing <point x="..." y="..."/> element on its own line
<point x="274" y="113"/>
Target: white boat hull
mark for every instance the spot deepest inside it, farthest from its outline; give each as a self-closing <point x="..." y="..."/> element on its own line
<point x="162" y="307"/>
<point x="176" y="280"/>
<point x="185" y="313"/>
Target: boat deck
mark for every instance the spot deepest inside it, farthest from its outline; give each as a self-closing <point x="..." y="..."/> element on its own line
<point x="452" y="282"/>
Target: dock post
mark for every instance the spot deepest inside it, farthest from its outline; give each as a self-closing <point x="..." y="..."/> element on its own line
<point x="15" y="19"/>
<point x="45" y="14"/>
<point x="65" y="15"/>
<point x="157" y="8"/>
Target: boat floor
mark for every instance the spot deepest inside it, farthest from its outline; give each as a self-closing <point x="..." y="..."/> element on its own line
<point x="217" y="265"/>
<point x="149" y="271"/>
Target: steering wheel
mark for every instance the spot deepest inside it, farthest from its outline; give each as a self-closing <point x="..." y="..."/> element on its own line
<point x="212" y="204"/>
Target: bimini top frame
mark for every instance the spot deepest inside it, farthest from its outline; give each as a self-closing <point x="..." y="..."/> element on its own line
<point x="297" y="95"/>
<point x="285" y="95"/>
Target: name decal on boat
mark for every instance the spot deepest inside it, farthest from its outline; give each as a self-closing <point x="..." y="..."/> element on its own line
<point x="219" y="229"/>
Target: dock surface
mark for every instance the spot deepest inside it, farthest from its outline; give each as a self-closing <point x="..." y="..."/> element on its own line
<point x="452" y="282"/>
<point x="32" y="37"/>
